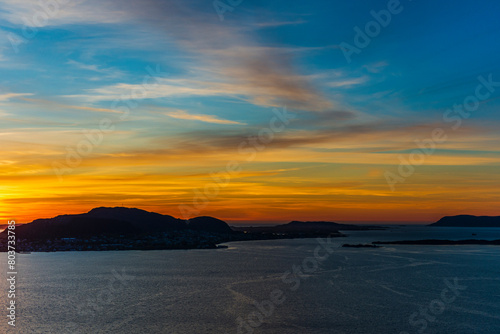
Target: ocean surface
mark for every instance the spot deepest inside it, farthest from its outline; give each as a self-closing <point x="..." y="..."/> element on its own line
<point x="275" y="287"/>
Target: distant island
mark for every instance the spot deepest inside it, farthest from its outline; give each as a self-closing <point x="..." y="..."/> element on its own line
<point x="468" y="221"/>
<point x="454" y="221"/>
<point x="438" y="242"/>
<point x="122" y="228"/>
<point x="311" y="226"/>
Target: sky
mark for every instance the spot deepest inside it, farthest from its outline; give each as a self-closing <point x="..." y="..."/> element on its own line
<point x="250" y="111"/>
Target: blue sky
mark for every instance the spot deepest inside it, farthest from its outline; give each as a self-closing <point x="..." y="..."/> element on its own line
<point x="218" y="82"/>
<point x="413" y="61"/>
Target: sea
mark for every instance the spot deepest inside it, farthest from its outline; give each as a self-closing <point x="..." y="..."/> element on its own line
<point x="274" y="286"/>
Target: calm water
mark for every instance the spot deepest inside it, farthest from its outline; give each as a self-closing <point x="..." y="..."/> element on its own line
<point x="214" y="291"/>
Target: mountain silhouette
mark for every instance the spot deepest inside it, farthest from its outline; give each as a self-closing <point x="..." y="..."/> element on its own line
<point x="208" y="224"/>
<point x="468" y="221"/>
<point x="117" y="221"/>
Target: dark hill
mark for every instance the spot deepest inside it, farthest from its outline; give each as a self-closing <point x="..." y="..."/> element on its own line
<point x="141" y="219"/>
<point x="208" y="224"/>
<point x="79" y="226"/>
<point x="468" y="221"/>
<point x="114" y="221"/>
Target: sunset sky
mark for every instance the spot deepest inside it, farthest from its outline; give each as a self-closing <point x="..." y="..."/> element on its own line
<point x="157" y="96"/>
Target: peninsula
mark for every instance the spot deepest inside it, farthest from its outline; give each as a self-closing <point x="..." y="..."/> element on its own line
<point x="122" y="228"/>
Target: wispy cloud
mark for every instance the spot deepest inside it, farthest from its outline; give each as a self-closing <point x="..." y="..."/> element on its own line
<point x="181" y="114"/>
<point x="8" y="96"/>
<point x="102" y="73"/>
<point x="267" y="76"/>
<point x="21" y="12"/>
<point x="269" y="89"/>
<point x="348" y="82"/>
<point x="271" y="24"/>
<point x="53" y="104"/>
<point x="94" y="68"/>
<point x="376" y="67"/>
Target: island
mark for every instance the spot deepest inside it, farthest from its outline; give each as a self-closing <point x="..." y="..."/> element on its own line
<point x="121" y="228"/>
<point x="310" y="226"/>
<point x="438" y="242"/>
<point x="468" y="221"/>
